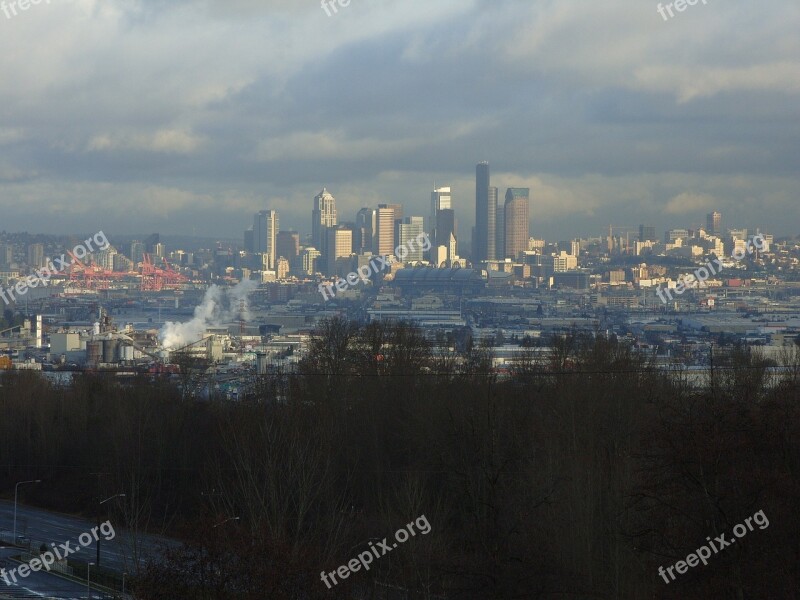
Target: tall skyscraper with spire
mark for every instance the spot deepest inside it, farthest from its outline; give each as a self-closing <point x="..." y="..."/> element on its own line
<point x="483" y="243"/>
<point x="265" y="235"/>
<point x="323" y="217"/>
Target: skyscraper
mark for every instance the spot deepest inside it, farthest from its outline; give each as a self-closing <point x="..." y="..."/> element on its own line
<point x="441" y="199"/>
<point x="647" y="233"/>
<point x="516" y="217"/>
<point x="287" y="245"/>
<point x="384" y="225"/>
<point x="409" y="228"/>
<point x="484" y="242"/>
<point x="137" y="252"/>
<point x="364" y="234"/>
<point x="265" y="235"/>
<point x="322" y="216"/>
<point x="339" y="245"/>
<point x="491" y="243"/>
<point x="310" y="258"/>
<point x="445" y="229"/>
<point x="714" y="223"/>
<point x="397" y="208"/>
<point x="36" y="256"/>
<point x="500" y="231"/>
<point x="6" y="254"/>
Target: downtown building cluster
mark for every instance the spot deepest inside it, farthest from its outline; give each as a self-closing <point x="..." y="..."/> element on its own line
<point x="336" y="246"/>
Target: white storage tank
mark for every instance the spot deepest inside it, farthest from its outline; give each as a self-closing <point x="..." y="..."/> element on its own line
<point x="127" y="352"/>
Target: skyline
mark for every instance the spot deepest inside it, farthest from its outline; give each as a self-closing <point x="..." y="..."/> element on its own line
<point x="595" y="108"/>
<point x="518" y="280"/>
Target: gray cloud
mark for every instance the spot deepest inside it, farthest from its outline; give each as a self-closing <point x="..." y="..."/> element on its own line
<point x="188" y="115"/>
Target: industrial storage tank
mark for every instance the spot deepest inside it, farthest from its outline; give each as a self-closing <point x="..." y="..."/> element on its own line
<point x="110" y="351"/>
<point x="126" y="352"/>
<point x="94" y="352"/>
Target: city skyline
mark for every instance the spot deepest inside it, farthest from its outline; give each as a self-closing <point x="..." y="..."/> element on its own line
<point x="513" y="287"/>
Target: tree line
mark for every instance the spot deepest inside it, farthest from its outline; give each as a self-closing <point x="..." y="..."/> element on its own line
<point x="575" y="476"/>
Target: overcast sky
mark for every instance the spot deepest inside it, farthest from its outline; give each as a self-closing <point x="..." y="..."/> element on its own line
<point x="187" y="116"/>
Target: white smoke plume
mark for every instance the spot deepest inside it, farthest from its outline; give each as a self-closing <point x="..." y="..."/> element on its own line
<point x="219" y="307"/>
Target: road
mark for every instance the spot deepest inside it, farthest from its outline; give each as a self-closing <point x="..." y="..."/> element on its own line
<point x="44" y="527"/>
<point x="38" y="585"/>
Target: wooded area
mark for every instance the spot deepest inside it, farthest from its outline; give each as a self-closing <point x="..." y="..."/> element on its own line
<point x="573" y="478"/>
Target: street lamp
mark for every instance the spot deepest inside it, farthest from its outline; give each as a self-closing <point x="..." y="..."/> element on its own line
<point x="88" y="589"/>
<point x="16" y="487"/>
<point x="98" y="522"/>
<point x="225" y="521"/>
<point x="123" y="585"/>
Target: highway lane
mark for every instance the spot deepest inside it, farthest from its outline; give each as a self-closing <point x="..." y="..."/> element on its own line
<point x="41" y="526"/>
<point x="38" y="585"/>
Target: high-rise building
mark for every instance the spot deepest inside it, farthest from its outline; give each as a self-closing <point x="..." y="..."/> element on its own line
<point x="137" y="252"/>
<point x="310" y="257"/>
<point x="339" y="245"/>
<point x="282" y="267"/>
<point x="323" y="216"/>
<point x="365" y="230"/>
<point x="451" y="250"/>
<point x="445" y="229"/>
<point x="123" y="264"/>
<point x="6" y="254"/>
<point x="714" y="223"/>
<point x="151" y="242"/>
<point x="248" y="239"/>
<point x="384" y="226"/>
<point x="287" y="245"/>
<point x="484" y="242"/>
<point x="647" y="233"/>
<point x="500" y="231"/>
<point x="397" y="208"/>
<point x="441" y="199"/>
<point x="671" y="236"/>
<point x="105" y="258"/>
<point x="265" y="235"/>
<point x="516" y="220"/>
<point x="36" y="256"/>
<point x="410" y="228"/>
